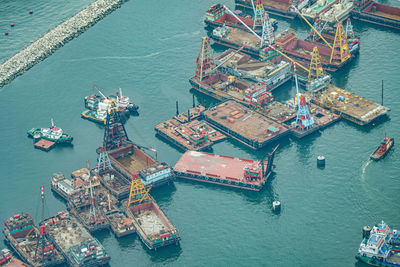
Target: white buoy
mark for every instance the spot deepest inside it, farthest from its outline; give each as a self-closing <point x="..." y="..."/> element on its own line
<point x="276" y="205"/>
<point x="321" y="161"/>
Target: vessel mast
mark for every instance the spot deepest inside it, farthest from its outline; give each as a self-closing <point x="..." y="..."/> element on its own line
<point x="92" y="213"/>
<point x="138" y="192"/>
<point x="103" y="161"/>
<point x="316" y="69"/>
<point x="258" y="14"/>
<point x="304" y="120"/>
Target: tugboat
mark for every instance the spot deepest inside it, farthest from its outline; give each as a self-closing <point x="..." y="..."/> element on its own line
<point x="380" y="246"/>
<point x="383" y="148"/>
<point x="53" y="134"/>
<point x="98" y="105"/>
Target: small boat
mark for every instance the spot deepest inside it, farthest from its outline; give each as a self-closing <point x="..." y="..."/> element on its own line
<point x="383" y="148"/>
<point x="53" y="134"/>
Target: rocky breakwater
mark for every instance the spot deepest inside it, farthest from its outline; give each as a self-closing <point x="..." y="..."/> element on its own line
<point x="55" y="38"/>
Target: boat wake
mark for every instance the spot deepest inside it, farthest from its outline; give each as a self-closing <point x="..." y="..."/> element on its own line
<point x="364" y="169"/>
<point x="181" y="35"/>
<point x="113" y="57"/>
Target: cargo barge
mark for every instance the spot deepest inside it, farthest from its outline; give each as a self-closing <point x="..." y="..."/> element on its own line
<point x="282" y="8"/>
<point x="191" y="134"/>
<point x="120" y="224"/>
<point x="243" y="66"/>
<point x="380" y="246"/>
<point x="75" y="242"/>
<point x="217" y="16"/>
<point x="224" y="170"/>
<point x="23" y="236"/>
<point x="302" y="50"/>
<point x="152" y="226"/>
<point x="376" y="13"/>
<point x="129" y="160"/>
<point x="244" y="124"/>
<point x="349" y="106"/>
<point x="116" y="183"/>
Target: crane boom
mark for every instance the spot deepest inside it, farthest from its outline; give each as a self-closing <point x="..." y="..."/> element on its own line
<point x="99" y="91"/>
<point x="312" y="27"/>
<point x="270" y="46"/>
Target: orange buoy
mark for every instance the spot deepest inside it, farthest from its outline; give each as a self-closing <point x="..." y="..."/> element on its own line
<point x="30" y="11"/>
<point x="12" y="24"/>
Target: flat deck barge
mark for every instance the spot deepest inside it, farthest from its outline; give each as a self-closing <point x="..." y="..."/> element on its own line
<point x="152" y="226"/>
<point x="76" y="244"/>
<point x="244" y="66"/>
<point x="224" y="170"/>
<point x="244" y="124"/>
<point x="376" y="13"/>
<point x="129" y="160"/>
<point x="350" y="106"/>
<point x="280" y="8"/>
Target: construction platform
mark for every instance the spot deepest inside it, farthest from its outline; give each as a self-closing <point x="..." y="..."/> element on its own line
<point x="76" y="244"/>
<point x="278" y="112"/>
<point x="244" y="124"/>
<point x="350" y="106"/>
<point x="236" y="38"/>
<point x="116" y="183"/>
<point x="44" y="145"/>
<point x="223" y="170"/>
<point x="244" y="66"/>
<point x="194" y="113"/>
<point x="193" y="135"/>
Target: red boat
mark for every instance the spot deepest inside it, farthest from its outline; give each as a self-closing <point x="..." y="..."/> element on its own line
<point x="383" y="148"/>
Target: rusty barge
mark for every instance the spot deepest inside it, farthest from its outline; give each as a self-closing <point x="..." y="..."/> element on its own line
<point x="224" y="170"/>
<point x="152" y="226"/>
<point x="244" y="124"/>
<point x="188" y="132"/>
<point x="376" y="13"/>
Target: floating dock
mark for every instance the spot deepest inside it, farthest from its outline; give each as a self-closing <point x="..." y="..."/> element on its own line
<point x="244" y="124"/>
<point x="188" y="133"/>
<point x="350" y="106"/>
<point x="79" y="247"/>
<point x="44" y="145"/>
<point x="376" y="13"/>
<point x="280" y="8"/>
<point x="130" y="160"/>
<point x="55" y="39"/>
<point x="244" y="66"/>
<point x="224" y="170"/>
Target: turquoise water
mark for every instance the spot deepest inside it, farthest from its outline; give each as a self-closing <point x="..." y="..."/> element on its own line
<point x="148" y="48"/>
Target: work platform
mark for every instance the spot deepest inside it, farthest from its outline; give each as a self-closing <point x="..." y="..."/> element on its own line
<point x="244" y="124"/>
<point x="350" y="106"/>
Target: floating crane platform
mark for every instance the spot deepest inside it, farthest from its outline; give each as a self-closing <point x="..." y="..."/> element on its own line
<point x="244" y="124"/>
<point x="129" y="160"/>
<point x="189" y="133"/>
<point x="282" y="8"/>
<point x="301" y="50"/>
<point x="245" y="67"/>
<point x="376" y="13"/>
<point x="77" y="245"/>
<point x="350" y="106"/>
<point x="224" y="170"/>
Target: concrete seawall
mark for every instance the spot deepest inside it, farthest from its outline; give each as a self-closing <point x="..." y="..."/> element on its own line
<point x="56" y="38"/>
